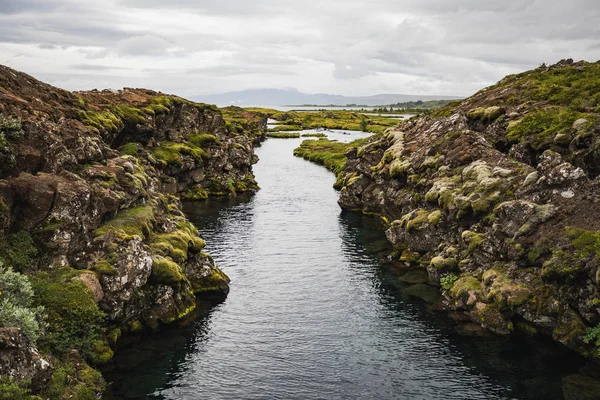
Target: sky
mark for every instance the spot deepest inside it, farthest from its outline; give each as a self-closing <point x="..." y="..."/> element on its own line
<point x="348" y="47"/>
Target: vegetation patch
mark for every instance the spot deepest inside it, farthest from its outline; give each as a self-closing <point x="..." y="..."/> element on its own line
<point x="329" y="119"/>
<point x="166" y="271"/>
<point x="104" y="120"/>
<point x="540" y="127"/>
<point x="170" y="153"/>
<point x="203" y="139"/>
<point x="75" y="381"/>
<point x="11" y="389"/>
<point x="283" y="135"/>
<point x="74" y="320"/>
<point x="17" y="308"/>
<point x="329" y="153"/>
<point x="18" y="250"/>
<point x="136" y="221"/>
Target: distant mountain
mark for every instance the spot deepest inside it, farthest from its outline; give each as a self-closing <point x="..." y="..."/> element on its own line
<point x="283" y="97"/>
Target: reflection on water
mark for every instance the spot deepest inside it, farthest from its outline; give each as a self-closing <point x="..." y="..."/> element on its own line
<point x="312" y="313"/>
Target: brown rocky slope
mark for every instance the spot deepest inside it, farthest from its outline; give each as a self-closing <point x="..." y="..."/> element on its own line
<point x="90" y="212"/>
<point x="498" y="198"/>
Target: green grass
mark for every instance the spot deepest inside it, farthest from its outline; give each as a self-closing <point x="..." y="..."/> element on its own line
<point x="283" y="135"/>
<point x="329" y="153"/>
<point x="330" y="119"/>
<point x="539" y="127"/>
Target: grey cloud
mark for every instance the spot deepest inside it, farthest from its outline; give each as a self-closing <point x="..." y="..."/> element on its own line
<point x="95" y="67"/>
<point x="341" y="45"/>
<point x="146" y="45"/>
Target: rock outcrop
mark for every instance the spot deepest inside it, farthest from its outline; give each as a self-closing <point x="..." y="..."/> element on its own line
<point x="90" y="189"/>
<point x="497" y="197"/>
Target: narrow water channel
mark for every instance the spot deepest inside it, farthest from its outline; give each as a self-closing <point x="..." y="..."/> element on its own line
<point x="312" y="314"/>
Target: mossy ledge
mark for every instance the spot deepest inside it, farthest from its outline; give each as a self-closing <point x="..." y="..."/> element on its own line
<point x="497" y="197"/>
<point x="91" y="221"/>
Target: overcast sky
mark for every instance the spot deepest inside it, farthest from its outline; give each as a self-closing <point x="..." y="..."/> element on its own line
<point x="350" y="47"/>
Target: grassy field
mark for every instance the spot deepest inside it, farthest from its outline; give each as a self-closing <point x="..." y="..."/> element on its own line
<point x="329" y="119"/>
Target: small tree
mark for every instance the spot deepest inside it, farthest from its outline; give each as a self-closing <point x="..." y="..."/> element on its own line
<point x="364" y="124"/>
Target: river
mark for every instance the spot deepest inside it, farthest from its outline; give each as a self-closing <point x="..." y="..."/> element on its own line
<point x="313" y="313"/>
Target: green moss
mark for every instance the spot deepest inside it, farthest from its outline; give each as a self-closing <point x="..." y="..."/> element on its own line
<point x="105" y="120"/>
<point x="216" y="282"/>
<point x="398" y="167"/>
<point x="534" y="254"/>
<point x="176" y="244"/>
<point x="135" y="326"/>
<point x="159" y="105"/>
<point x="104" y="267"/>
<point x="464" y="285"/>
<point x="444" y="264"/>
<point x="491" y="316"/>
<point x="203" y="139"/>
<point x="18" y="250"/>
<point x="473" y="239"/>
<point x="136" y="221"/>
<point x="182" y="314"/>
<point x="131" y="149"/>
<point x="114" y="336"/>
<point x="435" y="217"/>
<point x="167" y="272"/>
<point x="411" y="257"/>
<point x="503" y="290"/>
<point x="52" y="225"/>
<point x="196" y="192"/>
<point x="131" y="116"/>
<point x="562" y="267"/>
<point x="417" y="219"/>
<point x="170" y="153"/>
<point x="74" y="320"/>
<point x="489" y="114"/>
<point x="101" y="352"/>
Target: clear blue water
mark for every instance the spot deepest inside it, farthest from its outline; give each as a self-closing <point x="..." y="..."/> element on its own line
<point x="313" y="314"/>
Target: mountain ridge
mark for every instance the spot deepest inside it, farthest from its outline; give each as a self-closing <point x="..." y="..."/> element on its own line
<point x="286" y="97"/>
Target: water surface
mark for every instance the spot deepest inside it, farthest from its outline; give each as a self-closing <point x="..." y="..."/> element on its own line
<point x="312" y="314"/>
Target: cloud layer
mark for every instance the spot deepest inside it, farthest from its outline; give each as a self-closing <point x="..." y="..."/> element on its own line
<point x="349" y="47"/>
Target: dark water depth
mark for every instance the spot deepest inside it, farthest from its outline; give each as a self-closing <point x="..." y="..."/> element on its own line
<point x="313" y="315"/>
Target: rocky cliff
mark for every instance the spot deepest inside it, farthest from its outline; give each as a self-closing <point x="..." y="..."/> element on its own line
<point x="498" y="198"/>
<point x="90" y="213"/>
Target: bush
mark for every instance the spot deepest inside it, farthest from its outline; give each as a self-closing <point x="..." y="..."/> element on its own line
<point x="16" y="305"/>
<point x="447" y="281"/>
<point x="11" y="389"/>
<point x="592" y="335"/>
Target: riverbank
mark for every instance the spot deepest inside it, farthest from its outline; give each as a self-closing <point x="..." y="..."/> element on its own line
<point x="94" y="245"/>
<point x="493" y="198"/>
